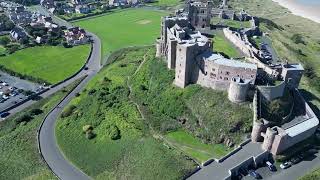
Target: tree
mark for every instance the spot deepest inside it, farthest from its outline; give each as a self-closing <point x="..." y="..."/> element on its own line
<point x="4" y="41"/>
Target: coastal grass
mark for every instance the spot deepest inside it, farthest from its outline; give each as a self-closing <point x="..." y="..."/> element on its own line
<point x="122" y="146"/>
<point x="314" y="175"/>
<point x="47" y="63"/>
<point x="294" y="38"/>
<point x="223" y="46"/>
<point x="123" y="28"/>
<point x="193" y="147"/>
<point x="19" y="157"/>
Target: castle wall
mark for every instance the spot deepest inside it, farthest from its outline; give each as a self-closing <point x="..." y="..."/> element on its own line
<point x="272" y="92"/>
<point x="238" y="91"/>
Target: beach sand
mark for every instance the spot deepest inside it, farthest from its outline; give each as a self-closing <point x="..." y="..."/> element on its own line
<point x="310" y="12"/>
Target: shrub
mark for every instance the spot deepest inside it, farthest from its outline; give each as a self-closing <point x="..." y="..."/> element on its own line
<point x="68" y="111"/>
<point x="92" y="91"/>
<point x="23" y="118"/>
<point x="90" y="135"/>
<point x="35" y="112"/>
<point x="87" y="128"/>
<point x="298" y="39"/>
<point x="114" y="132"/>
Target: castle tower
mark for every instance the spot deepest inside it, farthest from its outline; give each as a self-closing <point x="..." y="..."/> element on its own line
<point x="238" y="90"/>
<point x="200" y="13"/>
<point x="184" y="63"/>
<point x="268" y="139"/>
<point x="172" y="49"/>
<point x="256" y="131"/>
<point x="291" y="74"/>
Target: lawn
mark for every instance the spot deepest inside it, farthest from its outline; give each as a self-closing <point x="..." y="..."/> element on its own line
<point x="49" y="64"/>
<point x="2" y="50"/>
<point x="124" y="28"/>
<point x="314" y="175"/>
<point x="166" y="3"/>
<point x="194" y="147"/>
<point x="223" y="46"/>
<point x="123" y="147"/>
<point x="19" y="157"/>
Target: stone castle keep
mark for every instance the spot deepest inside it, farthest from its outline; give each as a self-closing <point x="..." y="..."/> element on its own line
<point x="190" y="53"/>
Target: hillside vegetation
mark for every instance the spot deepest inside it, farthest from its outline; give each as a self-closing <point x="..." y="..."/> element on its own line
<point x="19" y="156"/>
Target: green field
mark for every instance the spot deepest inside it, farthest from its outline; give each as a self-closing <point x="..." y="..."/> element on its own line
<point x="166" y="3"/>
<point x="193" y="147"/>
<point x="222" y="45"/>
<point x="231" y="23"/>
<point x="19" y="157"/>
<point x="49" y="64"/>
<point x="124" y="28"/>
<point x="105" y="106"/>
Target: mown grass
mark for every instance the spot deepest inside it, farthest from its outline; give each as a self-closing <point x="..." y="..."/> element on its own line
<point x="47" y="63"/>
<point x="19" y="157"/>
<point x="124" y="28"/>
<point x="193" y="147"/>
<point x="222" y="45"/>
<point x="104" y="104"/>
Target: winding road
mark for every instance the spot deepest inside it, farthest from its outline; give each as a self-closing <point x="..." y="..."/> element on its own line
<point x="48" y="146"/>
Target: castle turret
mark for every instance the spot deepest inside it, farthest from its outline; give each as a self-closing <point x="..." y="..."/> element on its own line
<point x="238" y="90"/>
<point x="256" y="131"/>
<point x="269" y="138"/>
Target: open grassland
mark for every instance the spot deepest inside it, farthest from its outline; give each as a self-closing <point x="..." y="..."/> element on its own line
<point x="166" y="3"/>
<point x="294" y="38"/>
<point x="102" y="132"/>
<point x="49" y="64"/>
<point x="19" y="157"/>
<point x="223" y="46"/>
<point x="124" y="28"/>
<point x="193" y="147"/>
<point x="230" y="23"/>
<point x="314" y="175"/>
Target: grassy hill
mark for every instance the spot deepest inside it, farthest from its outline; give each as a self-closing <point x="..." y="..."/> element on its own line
<point x="49" y="64"/>
<point x="19" y="157"/>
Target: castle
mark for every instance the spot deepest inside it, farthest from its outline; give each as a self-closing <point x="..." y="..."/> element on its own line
<point x="191" y="55"/>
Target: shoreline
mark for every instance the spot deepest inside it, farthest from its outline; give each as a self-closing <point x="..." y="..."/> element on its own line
<point x="309" y="12"/>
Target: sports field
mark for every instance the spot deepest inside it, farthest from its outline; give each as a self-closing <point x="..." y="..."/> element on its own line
<point x="49" y="64"/>
<point x="124" y="28"/>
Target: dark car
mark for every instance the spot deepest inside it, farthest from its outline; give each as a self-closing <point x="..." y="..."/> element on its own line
<point x="4" y="114"/>
<point x="254" y="174"/>
<point x="271" y="166"/>
<point x="295" y="160"/>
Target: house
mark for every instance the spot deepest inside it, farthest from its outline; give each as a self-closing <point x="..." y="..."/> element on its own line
<point x="17" y="34"/>
<point x="47" y="4"/>
<point x="76" y="36"/>
<point x="82" y="9"/>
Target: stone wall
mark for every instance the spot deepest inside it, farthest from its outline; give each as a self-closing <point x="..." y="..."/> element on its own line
<point x="272" y="92"/>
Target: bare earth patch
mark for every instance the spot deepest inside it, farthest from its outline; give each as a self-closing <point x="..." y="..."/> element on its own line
<point x="145" y="21"/>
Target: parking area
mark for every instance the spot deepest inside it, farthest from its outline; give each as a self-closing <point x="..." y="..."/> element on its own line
<point x="14" y="90"/>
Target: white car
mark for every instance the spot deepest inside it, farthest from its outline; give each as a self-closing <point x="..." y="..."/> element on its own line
<point x="5" y="97"/>
<point x="285" y="165"/>
<point x="4" y="84"/>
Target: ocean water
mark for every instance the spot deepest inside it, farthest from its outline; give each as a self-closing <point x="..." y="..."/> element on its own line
<point x="309" y="2"/>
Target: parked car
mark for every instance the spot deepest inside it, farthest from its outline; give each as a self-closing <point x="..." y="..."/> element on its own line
<point x="5" y="97"/>
<point x="4" y="84"/>
<point x="254" y="174"/>
<point x="4" y="114"/>
<point x="296" y="160"/>
<point x="271" y="166"/>
<point x="285" y="165"/>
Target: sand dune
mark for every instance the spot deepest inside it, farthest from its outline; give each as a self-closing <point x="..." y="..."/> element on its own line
<point x="310" y="12"/>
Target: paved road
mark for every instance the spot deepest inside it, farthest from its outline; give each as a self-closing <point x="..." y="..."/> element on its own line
<point x="48" y="145"/>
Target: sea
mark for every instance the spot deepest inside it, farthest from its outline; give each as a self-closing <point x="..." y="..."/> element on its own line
<point x="309" y="2"/>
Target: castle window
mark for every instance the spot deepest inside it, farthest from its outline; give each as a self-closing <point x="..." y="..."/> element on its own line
<point x="212" y="75"/>
<point x="252" y="75"/>
<point x="220" y="77"/>
<point x="213" y="69"/>
<point x="227" y="73"/>
<point x="226" y="79"/>
<point x="179" y="49"/>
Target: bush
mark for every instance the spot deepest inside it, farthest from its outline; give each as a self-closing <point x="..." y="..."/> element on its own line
<point x="87" y="128"/>
<point x="23" y="118"/>
<point x="90" y="135"/>
<point x="35" y="112"/>
<point x="114" y="132"/>
<point x="68" y="111"/>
